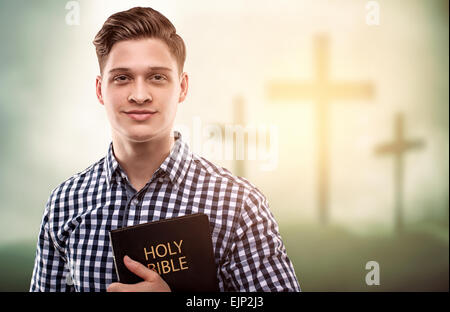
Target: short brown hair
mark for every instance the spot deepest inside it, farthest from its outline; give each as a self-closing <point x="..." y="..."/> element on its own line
<point x="138" y="23"/>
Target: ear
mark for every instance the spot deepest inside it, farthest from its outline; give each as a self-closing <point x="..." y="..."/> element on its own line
<point x="98" y="89"/>
<point x="184" y="83"/>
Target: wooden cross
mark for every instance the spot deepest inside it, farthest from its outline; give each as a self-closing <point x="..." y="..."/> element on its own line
<point x="322" y="91"/>
<point x="398" y="147"/>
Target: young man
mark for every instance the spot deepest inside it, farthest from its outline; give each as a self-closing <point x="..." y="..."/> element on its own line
<point x="148" y="174"/>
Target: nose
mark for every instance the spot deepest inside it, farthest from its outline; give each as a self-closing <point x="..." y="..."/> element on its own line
<point x="140" y="94"/>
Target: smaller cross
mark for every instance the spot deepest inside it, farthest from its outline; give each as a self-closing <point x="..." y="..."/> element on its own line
<point x="398" y="147"/>
<point x="242" y="140"/>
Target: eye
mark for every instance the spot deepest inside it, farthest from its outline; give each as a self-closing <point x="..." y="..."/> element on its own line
<point x="121" y="78"/>
<point x="158" y="77"/>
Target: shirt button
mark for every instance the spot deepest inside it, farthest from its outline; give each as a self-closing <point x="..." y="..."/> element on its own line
<point x="135" y="201"/>
<point x="161" y="179"/>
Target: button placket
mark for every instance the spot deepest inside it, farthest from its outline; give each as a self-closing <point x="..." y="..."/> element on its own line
<point x="139" y="197"/>
<point x="133" y="210"/>
<point x="132" y="207"/>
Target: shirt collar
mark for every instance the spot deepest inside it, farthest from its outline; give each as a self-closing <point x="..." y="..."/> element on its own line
<point x="175" y="166"/>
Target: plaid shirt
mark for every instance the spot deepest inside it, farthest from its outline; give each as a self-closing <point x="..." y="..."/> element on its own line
<point x="73" y="249"/>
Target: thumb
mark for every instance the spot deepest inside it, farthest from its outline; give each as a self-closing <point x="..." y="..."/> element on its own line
<point x="140" y="270"/>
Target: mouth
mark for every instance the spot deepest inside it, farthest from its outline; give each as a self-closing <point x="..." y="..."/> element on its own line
<point x="140" y="115"/>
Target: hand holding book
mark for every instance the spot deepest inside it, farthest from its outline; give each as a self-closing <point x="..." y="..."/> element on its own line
<point x="177" y="251"/>
<point x="152" y="281"/>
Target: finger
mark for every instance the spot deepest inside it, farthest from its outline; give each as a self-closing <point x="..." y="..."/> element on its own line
<point x="140" y="270"/>
<point x="119" y="287"/>
<point x="114" y="287"/>
<point x="139" y="287"/>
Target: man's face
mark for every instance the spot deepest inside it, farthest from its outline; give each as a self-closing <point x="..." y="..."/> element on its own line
<point x="140" y="89"/>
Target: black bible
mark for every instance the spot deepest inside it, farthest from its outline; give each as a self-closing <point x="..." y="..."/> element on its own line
<point x="180" y="249"/>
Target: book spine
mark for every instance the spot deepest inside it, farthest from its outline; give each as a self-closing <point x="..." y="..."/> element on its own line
<point x="114" y="256"/>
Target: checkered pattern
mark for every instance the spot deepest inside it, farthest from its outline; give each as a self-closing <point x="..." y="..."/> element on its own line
<point x="73" y="250"/>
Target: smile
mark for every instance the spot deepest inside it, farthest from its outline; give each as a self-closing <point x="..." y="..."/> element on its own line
<point x="140" y="116"/>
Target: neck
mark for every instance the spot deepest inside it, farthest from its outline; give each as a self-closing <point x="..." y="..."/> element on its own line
<point x="140" y="160"/>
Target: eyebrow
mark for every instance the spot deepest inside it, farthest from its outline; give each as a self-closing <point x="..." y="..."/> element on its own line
<point x="125" y="69"/>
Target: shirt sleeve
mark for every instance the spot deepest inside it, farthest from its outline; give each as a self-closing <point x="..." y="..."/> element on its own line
<point x="50" y="270"/>
<point x="258" y="260"/>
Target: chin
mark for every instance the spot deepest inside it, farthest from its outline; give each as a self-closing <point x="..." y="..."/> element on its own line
<point x="139" y="134"/>
<point x="142" y="136"/>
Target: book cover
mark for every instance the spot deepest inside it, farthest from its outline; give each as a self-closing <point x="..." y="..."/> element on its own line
<point x="180" y="249"/>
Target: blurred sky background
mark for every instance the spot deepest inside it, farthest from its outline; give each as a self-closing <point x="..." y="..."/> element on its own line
<point x="52" y="126"/>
